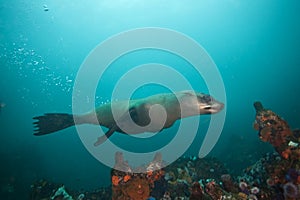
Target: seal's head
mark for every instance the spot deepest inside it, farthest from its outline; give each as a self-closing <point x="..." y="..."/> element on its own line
<point x="199" y="103"/>
<point x="208" y="105"/>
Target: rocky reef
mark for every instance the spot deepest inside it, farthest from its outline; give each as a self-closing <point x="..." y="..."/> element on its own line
<point x="275" y="176"/>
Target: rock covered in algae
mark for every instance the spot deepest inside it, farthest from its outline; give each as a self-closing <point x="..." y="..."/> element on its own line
<point x="129" y="185"/>
<point x="273" y="129"/>
<point x="282" y="174"/>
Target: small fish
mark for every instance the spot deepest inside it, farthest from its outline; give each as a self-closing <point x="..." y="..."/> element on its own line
<point x="45" y="8"/>
<point x="2" y="105"/>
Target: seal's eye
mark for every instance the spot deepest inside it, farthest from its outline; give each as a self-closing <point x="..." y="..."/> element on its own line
<point x="207" y="98"/>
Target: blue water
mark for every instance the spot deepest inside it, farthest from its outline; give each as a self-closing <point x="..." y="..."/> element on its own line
<point x="255" y="45"/>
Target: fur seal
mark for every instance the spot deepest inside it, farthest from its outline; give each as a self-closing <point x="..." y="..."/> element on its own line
<point x="150" y="114"/>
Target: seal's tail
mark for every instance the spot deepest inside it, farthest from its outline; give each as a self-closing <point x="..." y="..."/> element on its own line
<point x="52" y="122"/>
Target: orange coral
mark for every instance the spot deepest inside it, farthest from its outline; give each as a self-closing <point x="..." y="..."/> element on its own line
<point x="115" y="180"/>
<point x="286" y="153"/>
<point x="298" y="179"/>
<point x="126" y="178"/>
<point x="149" y="173"/>
<point x="256" y="126"/>
<point x="265" y="134"/>
<point x="158" y="175"/>
<point x="242" y="195"/>
<point x="137" y="189"/>
<point x="273" y="129"/>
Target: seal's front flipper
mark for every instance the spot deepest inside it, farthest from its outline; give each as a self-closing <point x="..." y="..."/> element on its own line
<point x="123" y="119"/>
<point x="104" y="137"/>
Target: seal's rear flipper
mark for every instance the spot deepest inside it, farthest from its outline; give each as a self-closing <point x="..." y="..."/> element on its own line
<point x="52" y="122"/>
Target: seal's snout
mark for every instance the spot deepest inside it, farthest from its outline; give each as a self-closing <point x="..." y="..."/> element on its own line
<point x="216" y="107"/>
<point x="221" y="106"/>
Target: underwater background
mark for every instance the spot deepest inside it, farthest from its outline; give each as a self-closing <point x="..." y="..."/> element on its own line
<point x="255" y="45"/>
